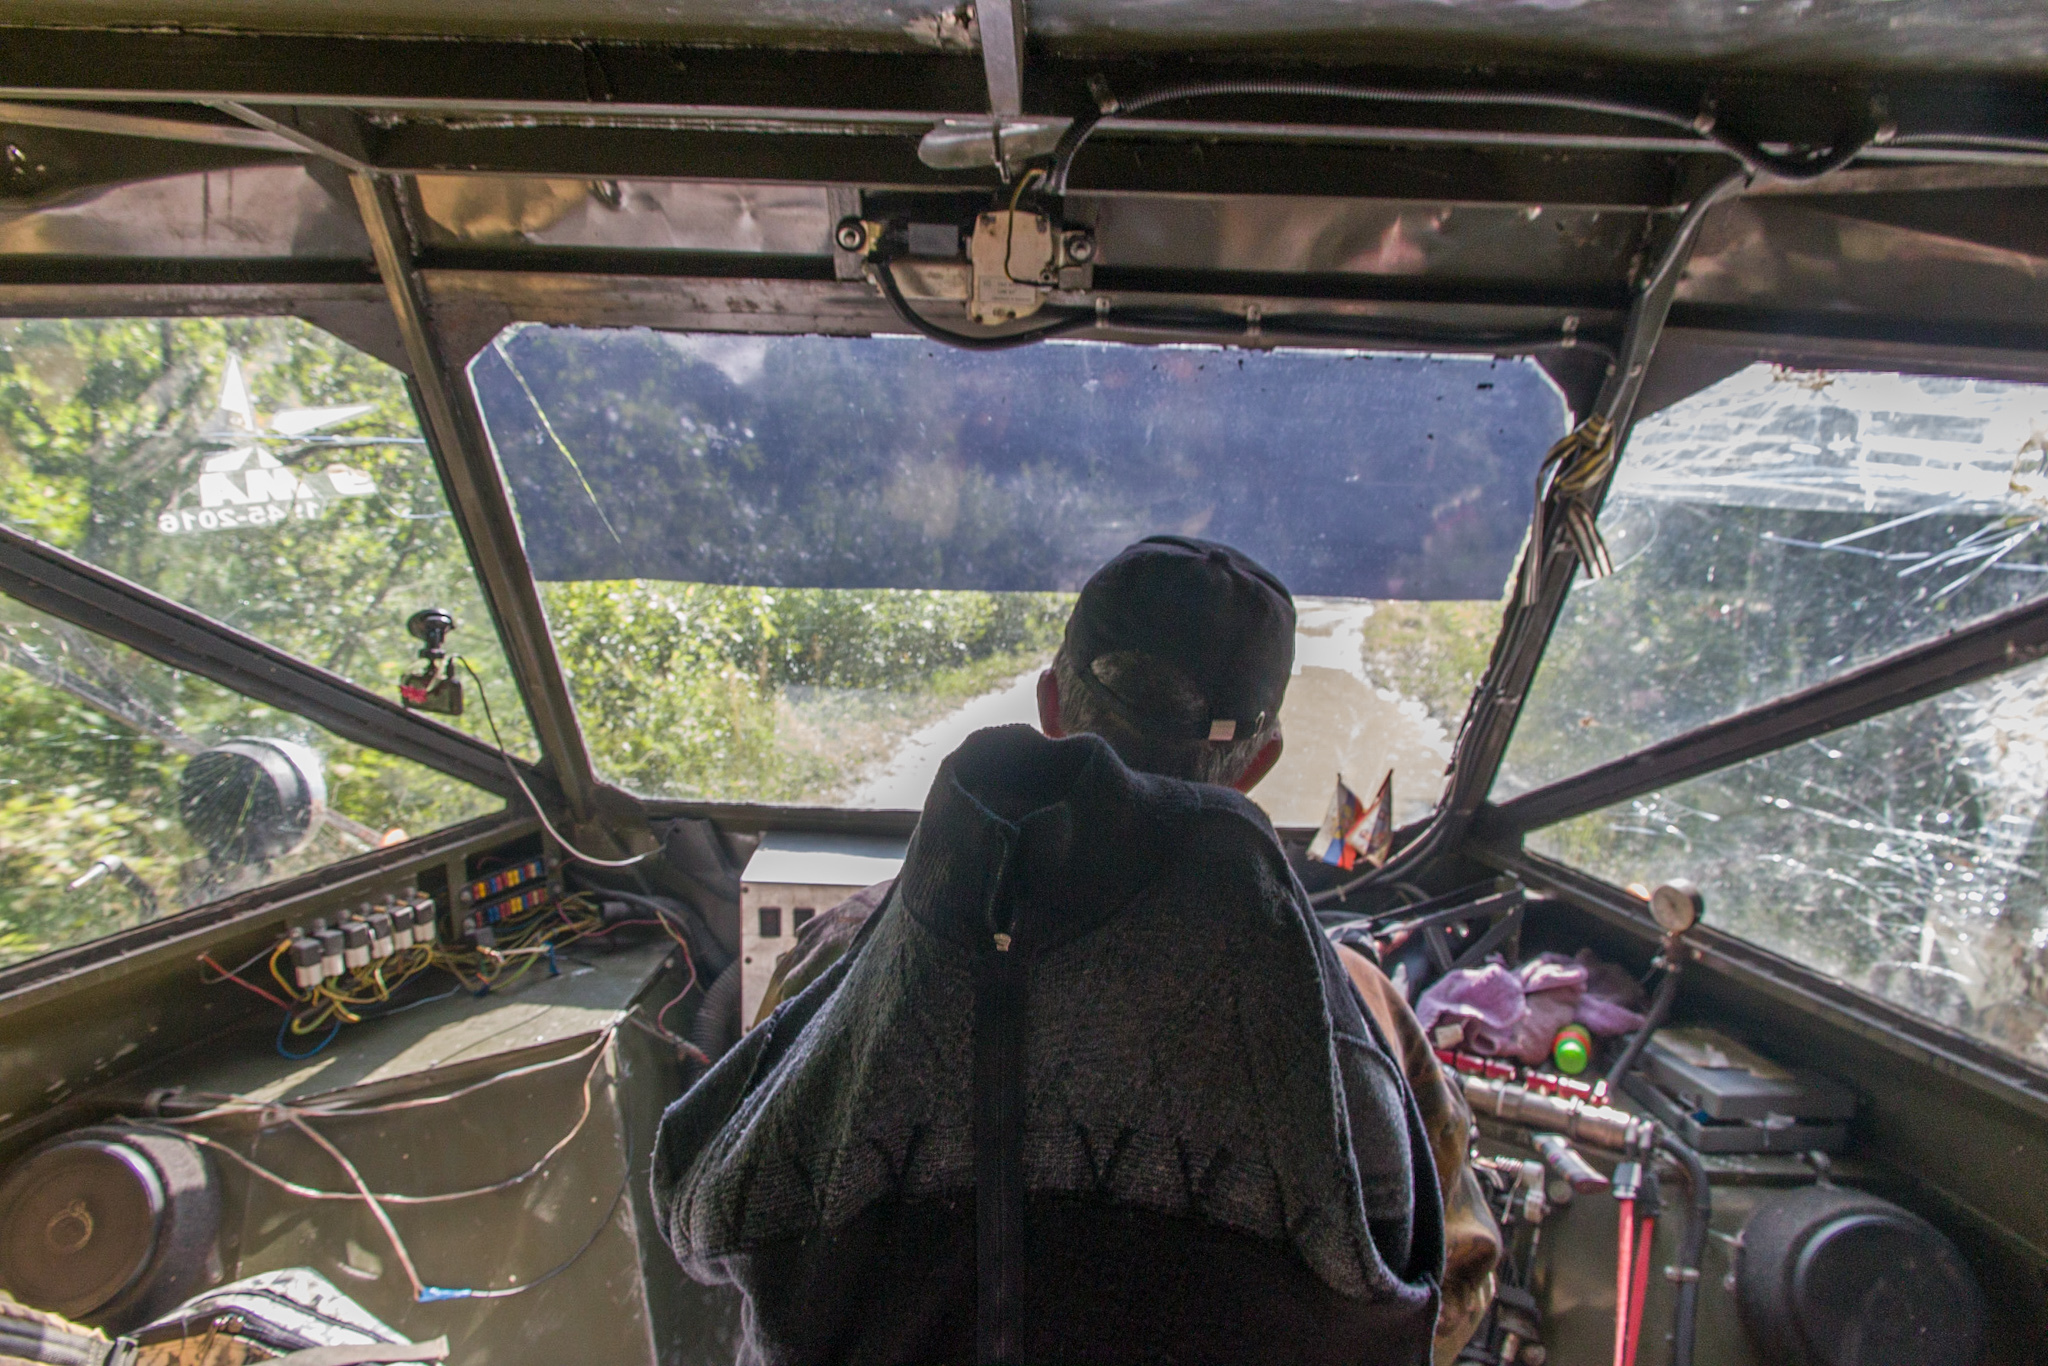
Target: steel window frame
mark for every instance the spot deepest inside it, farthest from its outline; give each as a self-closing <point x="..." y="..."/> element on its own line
<point x="2009" y="640"/>
<point x="476" y="493"/>
<point x="72" y="590"/>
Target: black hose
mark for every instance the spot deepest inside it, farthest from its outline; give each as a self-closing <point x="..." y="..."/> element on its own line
<point x="1691" y="1247"/>
<point x="717" y="1026"/>
<point x="1653" y="1019"/>
<point x="885" y="274"/>
<point x="711" y="955"/>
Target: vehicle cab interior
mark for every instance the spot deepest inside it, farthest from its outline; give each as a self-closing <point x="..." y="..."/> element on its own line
<point x="505" y="506"/>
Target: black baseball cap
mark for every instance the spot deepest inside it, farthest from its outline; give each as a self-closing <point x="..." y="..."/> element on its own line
<point x="1219" y="617"/>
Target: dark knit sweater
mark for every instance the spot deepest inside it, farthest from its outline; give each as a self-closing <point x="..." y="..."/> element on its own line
<point x="1096" y="1013"/>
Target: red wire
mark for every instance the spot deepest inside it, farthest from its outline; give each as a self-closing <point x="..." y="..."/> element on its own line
<point x="1624" y="1267"/>
<point x="1641" y="1286"/>
<point x="226" y="976"/>
<point x="683" y="947"/>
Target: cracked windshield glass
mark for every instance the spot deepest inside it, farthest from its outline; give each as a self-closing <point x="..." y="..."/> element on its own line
<point x="258" y="470"/>
<point x="132" y="790"/>
<point x="1903" y="855"/>
<point x="803" y="569"/>
<point x="1770" y="532"/>
<point x="1778" y="528"/>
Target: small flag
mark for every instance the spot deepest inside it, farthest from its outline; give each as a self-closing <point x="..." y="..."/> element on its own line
<point x="1374" y="837"/>
<point x="1353" y="830"/>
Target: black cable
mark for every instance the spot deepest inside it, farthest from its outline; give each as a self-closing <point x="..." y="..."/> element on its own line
<point x="705" y="946"/>
<point x="1653" y="1019"/>
<point x="1752" y="157"/>
<point x="885" y="274"/>
<point x="1691" y="1247"/>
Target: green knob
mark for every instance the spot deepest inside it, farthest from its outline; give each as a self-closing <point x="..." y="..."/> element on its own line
<point x="1572" y="1049"/>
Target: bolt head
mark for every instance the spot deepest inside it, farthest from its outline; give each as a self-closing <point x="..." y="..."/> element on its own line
<point x="850" y="235"/>
<point x="1079" y="247"/>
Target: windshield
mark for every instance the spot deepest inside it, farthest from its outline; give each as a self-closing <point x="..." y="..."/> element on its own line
<point x="258" y="470"/>
<point x="1779" y="528"/>
<point x="801" y="569"/>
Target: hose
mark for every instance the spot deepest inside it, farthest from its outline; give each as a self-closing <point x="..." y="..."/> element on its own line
<point x="704" y="945"/>
<point x="717" y="1026"/>
<point x="1691" y="1247"/>
<point x="1653" y="1020"/>
<point x="1625" y="1274"/>
<point x="1752" y="157"/>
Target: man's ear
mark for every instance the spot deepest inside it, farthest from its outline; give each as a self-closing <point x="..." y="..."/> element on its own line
<point x="1260" y="766"/>
<point x="1049" y="706"/>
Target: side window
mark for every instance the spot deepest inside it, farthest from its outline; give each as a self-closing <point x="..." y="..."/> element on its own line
<point x="1779" y="528"/>
<point x="256" y="469"/>
<point x="1903" y="855"/>
<point x="132" y="791"/>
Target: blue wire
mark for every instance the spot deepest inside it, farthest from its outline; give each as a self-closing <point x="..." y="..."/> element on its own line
<point x="284" y="1052"/>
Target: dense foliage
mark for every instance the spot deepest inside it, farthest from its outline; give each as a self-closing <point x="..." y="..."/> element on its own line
<point x="106" y="424"/>
<point x="756" y="694"/>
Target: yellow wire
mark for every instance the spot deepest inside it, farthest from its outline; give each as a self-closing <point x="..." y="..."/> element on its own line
<point x="290" y="989"/>
<point x="1034" y="174"/>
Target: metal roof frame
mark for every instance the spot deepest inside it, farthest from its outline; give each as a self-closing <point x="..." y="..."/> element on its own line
<point x="382" y="111"/>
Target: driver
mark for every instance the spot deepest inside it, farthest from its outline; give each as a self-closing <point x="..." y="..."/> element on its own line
<point x="1088" y="1084"/>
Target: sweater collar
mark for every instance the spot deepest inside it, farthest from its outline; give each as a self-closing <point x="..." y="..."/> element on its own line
<point x="1039" y="840"/>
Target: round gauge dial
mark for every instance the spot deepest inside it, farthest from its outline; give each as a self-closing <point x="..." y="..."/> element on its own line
<point x="1676" y="906"/>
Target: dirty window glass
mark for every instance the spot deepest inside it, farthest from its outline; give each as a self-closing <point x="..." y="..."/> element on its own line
<point x="133" y="791"/>
<point x="1904" y="855"/>
<point x="802" y="569"/>
<point x="256" y="469"/>
<point x="1776" y="529"/>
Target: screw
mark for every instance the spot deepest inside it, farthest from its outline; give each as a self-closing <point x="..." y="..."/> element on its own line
<point x="851" y="234"/>
<point x="1079" y="246"/>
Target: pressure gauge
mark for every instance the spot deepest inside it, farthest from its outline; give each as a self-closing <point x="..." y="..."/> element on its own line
<point x="1676" y="906"/>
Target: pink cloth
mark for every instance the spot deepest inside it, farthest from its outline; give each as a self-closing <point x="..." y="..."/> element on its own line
<point x="1517" y="1014"/>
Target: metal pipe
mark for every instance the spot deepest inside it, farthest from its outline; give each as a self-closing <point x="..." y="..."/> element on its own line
<point x="1603" y="1126"/>
<point x="1660" y="1006"/>
<point x="1564" y="1159"/>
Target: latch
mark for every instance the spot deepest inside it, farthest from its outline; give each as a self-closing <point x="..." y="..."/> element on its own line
<point x="1013" y="254"/>
<point x="1014" y="260"/>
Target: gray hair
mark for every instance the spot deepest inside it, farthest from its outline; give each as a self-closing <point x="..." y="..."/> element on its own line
<point x="1157" y="688"/>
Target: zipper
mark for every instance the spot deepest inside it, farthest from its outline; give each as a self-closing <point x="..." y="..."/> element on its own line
<point x="999" y="981"/>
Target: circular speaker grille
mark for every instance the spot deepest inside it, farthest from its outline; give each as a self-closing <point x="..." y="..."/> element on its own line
<point x="1872" y="1290"/>
<point x="78" y="1225"/>
<point x="1826" y="1276"/>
